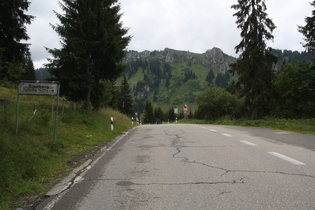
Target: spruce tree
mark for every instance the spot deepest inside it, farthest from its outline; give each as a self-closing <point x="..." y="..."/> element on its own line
<point x="309" y="31"/>
<point x="125" y="98"/>
<point x="254" y="67"/>
<point x="114" y="103"/>
<point x="13" y="52"/>
<point x="149" y="117"/>
<point x="210" y="76"/>
<point x="93" y="46"/>
<point x="305" y="77"/>
<point x="171" y="115"/>
<point x="29" y="71"/>
<point x="159" y="115"/>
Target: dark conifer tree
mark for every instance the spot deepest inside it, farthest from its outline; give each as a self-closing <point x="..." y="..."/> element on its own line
<point x="254" y="67"/>
<point x="149" y="117"/>
<point x="159" y="115"/>
<point x="93" y="45"/>
<point x="309" y="31"/>
<point x="125" y="98"/>
<point x="167" y="83"/>
<point x="210" y="76"/>
<point x="171" y="115"/>
<point x="29" y="71"/>
<point x="13" y="51"/>
<point x="115" y="96"/>
<point x="190" y="115"/>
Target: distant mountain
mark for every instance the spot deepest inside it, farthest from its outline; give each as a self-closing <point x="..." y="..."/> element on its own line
<point x="292" y="57"/>
<point x="214" y="58"/>
<point x="173" y="78"/>
<point x="42" y="74"/>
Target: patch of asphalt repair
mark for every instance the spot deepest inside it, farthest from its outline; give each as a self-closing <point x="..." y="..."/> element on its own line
<point x="129" y="183"/>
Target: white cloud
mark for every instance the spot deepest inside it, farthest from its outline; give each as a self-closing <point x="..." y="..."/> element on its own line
<point x="187" y="25"/>
<point x="287" y="15"/>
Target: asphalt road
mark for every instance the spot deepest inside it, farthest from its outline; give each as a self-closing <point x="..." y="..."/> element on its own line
<point x="196" y="167"/>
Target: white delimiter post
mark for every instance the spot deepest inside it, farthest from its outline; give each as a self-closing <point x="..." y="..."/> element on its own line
<point x="112" y="123"/>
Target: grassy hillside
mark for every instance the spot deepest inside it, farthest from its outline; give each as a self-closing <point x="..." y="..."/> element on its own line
<point x="178" y="92"/>
<point x="172" y="78"/>
<point x="29" y="162"/>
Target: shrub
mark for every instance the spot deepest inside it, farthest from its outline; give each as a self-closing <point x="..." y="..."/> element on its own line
<point x="216" y="102"/>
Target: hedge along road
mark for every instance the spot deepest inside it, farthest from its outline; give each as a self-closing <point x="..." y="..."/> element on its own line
<point x="195" y="167"/>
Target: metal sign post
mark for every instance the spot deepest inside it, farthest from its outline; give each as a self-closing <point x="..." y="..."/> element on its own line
<point x="41" y="89"/>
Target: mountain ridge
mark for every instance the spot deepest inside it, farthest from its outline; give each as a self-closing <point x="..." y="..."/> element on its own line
<point x="214" y="58"/>
<point x="175" y="77"/>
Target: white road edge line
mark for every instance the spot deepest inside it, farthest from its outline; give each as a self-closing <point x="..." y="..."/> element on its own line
<point x="283" y="157"/>
<point x="248" y="143"/>
<point x="78" y="179"/>
<point x="225" y="134"/>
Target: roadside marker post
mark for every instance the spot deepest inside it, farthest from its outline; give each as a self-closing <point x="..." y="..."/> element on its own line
<point x="176" y="113"/>
<point x="112" y="123"/>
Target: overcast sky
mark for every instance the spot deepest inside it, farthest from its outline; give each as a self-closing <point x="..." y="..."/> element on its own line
<point x="190" y="25"/>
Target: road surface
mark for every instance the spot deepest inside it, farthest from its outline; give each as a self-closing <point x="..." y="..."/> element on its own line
<point x="196" y="167"/>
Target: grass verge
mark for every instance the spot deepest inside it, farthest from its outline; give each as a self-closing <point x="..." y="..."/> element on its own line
<point x="30" y="163"/>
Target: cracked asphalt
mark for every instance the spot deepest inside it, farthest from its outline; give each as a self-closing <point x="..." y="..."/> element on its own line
<point x="196" y="167"/>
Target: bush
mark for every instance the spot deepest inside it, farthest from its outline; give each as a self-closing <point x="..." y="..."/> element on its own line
<point x="295" y="92"/>
<point x="216" y="102"/>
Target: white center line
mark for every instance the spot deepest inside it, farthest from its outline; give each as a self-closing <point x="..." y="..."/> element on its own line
<point x="212" y="130"/>
<point x="248" y="143"/>
<point x="225" y="134"/>
<point x="291" y="160"/>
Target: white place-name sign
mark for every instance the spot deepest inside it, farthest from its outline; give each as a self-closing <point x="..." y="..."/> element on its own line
<point x="49" y="89"/>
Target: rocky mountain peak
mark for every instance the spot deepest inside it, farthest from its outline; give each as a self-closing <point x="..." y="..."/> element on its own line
<point x="214" y="58"/>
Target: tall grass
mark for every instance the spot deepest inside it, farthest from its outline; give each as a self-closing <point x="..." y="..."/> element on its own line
<point x="29" y="161"/>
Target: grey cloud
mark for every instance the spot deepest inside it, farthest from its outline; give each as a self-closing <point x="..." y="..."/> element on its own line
<point x="180" y="24"/>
